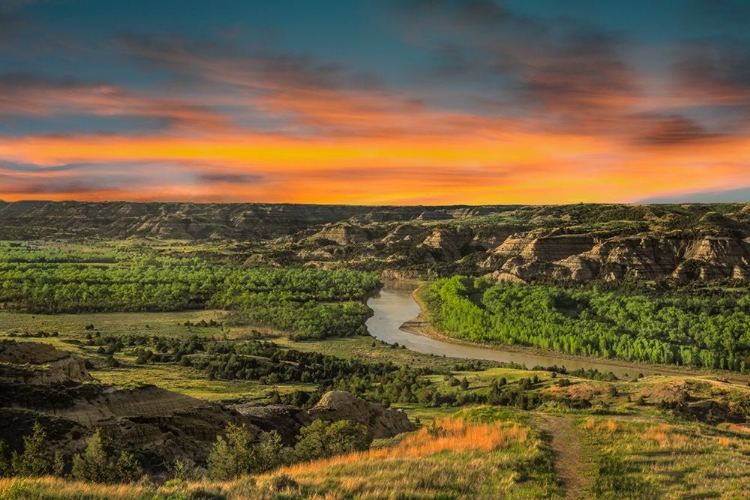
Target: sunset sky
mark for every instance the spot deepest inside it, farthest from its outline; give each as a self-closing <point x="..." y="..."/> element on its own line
<point x="375" y="101"/>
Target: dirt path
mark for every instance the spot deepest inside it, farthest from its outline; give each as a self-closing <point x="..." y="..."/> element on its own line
<point x="568" y="454"/>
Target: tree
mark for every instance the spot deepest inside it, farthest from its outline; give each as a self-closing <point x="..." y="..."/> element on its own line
<point x="35" y="460"/>
<point x="93" y="464"/>
<point x="5" y="466"/>
<point x="464" y="384"/>
<point x="100" y="463"/>
<point x="324" y="439"/>
<point x="272" y="453"/>
<point x="233" y="454"/>
<point x="127" y="469"/>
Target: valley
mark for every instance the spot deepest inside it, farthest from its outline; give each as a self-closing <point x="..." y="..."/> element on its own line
<point x="435" y="345"/>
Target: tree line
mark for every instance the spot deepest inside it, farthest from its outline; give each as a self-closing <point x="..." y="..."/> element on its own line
<point x="675" y="329"/>
<point x="308" y="302"/>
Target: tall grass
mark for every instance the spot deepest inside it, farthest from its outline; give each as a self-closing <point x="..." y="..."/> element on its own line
<point x="446" y="435"/>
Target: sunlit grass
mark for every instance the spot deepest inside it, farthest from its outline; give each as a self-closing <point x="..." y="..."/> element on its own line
<point x="456" y="458"/>
<point x="670" y="459"/>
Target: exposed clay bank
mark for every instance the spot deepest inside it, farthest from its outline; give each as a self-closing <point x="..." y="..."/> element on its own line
<point x="394" y="305"/>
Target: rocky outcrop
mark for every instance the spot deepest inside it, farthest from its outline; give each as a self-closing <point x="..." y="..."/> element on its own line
<point x="449" y="241"/>
<point x="569" y="242"/>
<point x="186" y="434"/>
<point x="514" y="245"/>
<point x="287" y="420"/>
<point x="710" y="412"/>
<point x="714" y="258"/>
<point x="341" y="405"/>
<point x="114" y="404"/>
<point x="342" y="234"/>
<point x="26" y="220"/>
<point x="398" y="275"/>
<point x="584" y="258"/>
<point x="639" y="257"/>
<point x="404" y="235"/>
<point x="576" y="268"/>
<point x="38" y="363"/>
<point x="492" y="237"/>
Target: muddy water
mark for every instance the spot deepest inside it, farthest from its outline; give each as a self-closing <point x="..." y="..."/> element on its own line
<point x="394" y="305"/>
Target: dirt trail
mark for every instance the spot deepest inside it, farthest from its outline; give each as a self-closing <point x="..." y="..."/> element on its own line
<point x="568" y="454"/>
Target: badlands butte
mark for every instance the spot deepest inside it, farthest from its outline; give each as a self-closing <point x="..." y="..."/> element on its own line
<point x="578" y="243"/>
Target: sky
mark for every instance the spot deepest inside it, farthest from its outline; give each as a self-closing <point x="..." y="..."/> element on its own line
<point x="375" y="101"/>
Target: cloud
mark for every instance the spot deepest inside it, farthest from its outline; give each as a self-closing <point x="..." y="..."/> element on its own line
<point x="309" y="97"/>
<point x="716" y="67"/>
<point x="671" y="130"/>
<point x="221" y="62"/>
<point x="136" y="180"/>
<point x="229" y="178"/>
<point x="28" y="94"/>
<point x="570" y="71"/>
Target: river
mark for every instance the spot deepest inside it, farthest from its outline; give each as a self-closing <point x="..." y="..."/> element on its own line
<point x="394" y="306"/>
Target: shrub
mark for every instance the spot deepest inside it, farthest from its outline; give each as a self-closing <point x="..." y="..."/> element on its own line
<point x="324" y="439"/>
<point x="100" y="464"/>
<point x="36" y="459"/>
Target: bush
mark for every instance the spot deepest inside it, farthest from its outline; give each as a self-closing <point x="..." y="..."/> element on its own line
<point x="283" y="482"/>
<point x="324" y="439"/>
<point x="100" y="464"/>
<point x="36" y="459"/>
<point x="237" y="454"/>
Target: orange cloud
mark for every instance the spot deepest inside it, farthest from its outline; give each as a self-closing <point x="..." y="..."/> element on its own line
<point x="505" y="167"/>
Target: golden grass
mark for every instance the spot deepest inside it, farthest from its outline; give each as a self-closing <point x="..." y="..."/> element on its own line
<point x="611" y="425"/>
<point x="447" y="435"/>
<point x="659" y="433"/>
<point x="26" y="488"/>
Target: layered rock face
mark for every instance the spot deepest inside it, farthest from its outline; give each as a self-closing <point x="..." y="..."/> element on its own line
<point x="449" y="242"/>
<point x="381" y="422"/>
<point x="287" y="420"/>
<point x="38" y="363"/>
<point x="582" y="258"/>
<point x="572" y="242"/>
<point x="343" y="234"/>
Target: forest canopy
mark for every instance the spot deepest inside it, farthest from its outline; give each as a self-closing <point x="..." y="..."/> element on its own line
<point x="679" y="329"/>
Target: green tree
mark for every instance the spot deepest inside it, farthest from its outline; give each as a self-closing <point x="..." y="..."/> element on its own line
<point x="324" y="439"/>
<point x="234" y="454"/>
<point x="35" y="460"/>
<point x="58" y="464"/>
<point x="100" y="464"/>
<point x="5" y="466"/>
<point x="94" y="463"/>
<point x="127" y="469"/>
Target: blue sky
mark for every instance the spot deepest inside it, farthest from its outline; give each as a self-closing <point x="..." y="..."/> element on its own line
<point x="421" y="101"/>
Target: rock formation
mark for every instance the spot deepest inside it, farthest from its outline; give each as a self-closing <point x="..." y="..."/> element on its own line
<point x="341" y="405"/>
<point x="38" y="363"/>
<point x="571" y="242"/>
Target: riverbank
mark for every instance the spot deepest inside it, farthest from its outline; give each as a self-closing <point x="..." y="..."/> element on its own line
<point x="421" y="325"/>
